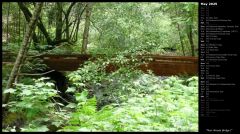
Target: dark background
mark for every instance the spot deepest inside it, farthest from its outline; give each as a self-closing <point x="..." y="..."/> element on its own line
<point x="231" y="44"/>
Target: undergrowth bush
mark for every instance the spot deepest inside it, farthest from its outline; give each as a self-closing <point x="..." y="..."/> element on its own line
<point x="154" y="104"/>
<point x="106" y="86"/>
<point x="123" y="100"/>
<point x="172" y="106"/>
<point x="35" y="103"/>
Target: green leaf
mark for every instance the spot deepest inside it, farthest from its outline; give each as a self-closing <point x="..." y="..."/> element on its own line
<point x="71" y="128"/>
<point x="49" y="84"/>
<point x="39" y="84"/>
<point x="84" y="129"/>
<point x="71" y="105"/>
<point x="57" y="123"/>
<point x="71" y="89"/>
<point x="4" y="105"/>
<point x="43" y="128"/>
<point x="10" y="90"/>
<point x="82" y="97"/>
<point x="26" y="92"/>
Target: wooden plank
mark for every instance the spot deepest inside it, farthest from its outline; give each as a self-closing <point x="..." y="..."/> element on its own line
<point x="161" y="65"/>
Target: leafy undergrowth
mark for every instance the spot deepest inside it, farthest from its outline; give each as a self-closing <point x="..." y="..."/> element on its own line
<point x="123" y="100"/>
<point x="172" y="106"/>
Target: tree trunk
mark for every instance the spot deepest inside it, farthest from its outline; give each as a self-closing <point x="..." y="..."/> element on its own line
<point x="67" y="19"/>
<point x="27" y="17"/>
<point x="24" y="27"/>
<point x="27" y="37"/>
<point x="78" y="23"/>
<point x="19" y="25"/>
<point x="67" y="28"/>
<point x="72" y="32"/>
<point x="40" y="25"/>
<point x="59" y="22"/>
<point x="16" y="29"/>
<point x="7" y="23"/>
<point x="190" y="37"/>
<point x="75" y="34"/>
<point x="179" y="32"/>
<point x="86" y="28"/>
<point x="181" y="39"/>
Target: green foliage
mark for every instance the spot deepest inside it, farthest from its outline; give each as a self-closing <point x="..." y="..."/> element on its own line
<point x="34" y="99"/>
<point x="122" y="100"/>
<point x="64" y="49"/>
<point x="143" y="26"/>
<point x="140" y="102"/>
<point x="114" y="27"/>
<point x="34" y="65"/>
<point x="6" y="70"/>
<point x="36" y="103"/>
<point x="168" y="108"/>
<point x="106" y="86"/>
<point x="91" y="71"/>
<point x="11" y="47"/>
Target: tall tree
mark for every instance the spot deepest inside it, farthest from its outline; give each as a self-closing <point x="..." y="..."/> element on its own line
<point x="23" y="50"/>
<point x="67" y="19"/>
<point x="190" y="35"/>
<point x="181" y="39"/>
<point x="74" y="33"/>
<point x="40" y="25"/>
<point x="179" y="31"/>
<point x="59" y="22"/>
<point x="86" y="28"/>
<point x="55" y="16"/>
<point x="19" y="25"/>
<point x="8" y="23"/>
<point x="26" y="13"/>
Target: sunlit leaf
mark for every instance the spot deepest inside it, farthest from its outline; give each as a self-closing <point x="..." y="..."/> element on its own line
<point x="10" y="90"/>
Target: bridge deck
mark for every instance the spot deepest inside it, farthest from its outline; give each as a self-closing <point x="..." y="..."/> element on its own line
<point x="160" y="65"/>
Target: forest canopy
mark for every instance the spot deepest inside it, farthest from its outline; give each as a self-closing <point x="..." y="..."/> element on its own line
<point x="155" y="27"/>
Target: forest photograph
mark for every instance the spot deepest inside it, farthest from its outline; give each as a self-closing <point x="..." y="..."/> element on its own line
<point x="99" y="67"/>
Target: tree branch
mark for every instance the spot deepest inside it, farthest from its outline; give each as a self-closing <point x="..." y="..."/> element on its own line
<point x="40" y="25"/>
<point x="28" y="74"/>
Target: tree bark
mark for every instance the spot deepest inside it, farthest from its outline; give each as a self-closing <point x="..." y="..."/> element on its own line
<point x="190" y="37"/>
<point x="75" y="35"/>
<point x="179" y="31"/>
<point x="59" y="22"/>
<point x="19" y="25"/>
<point x="8" y="22"/>
<point x="86" y="28"/>
<point x="72" y="32"/>
<point x="40" y="25"/>
<point x="26" y="13"/>
<point x="15" y="29"/>
<point x="180" y="38"/>
<point x="67" y="19"/>
<point x="27" y="37"/>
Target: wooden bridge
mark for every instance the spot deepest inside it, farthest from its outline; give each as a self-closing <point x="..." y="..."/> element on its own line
<point x="160" y="65"/>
